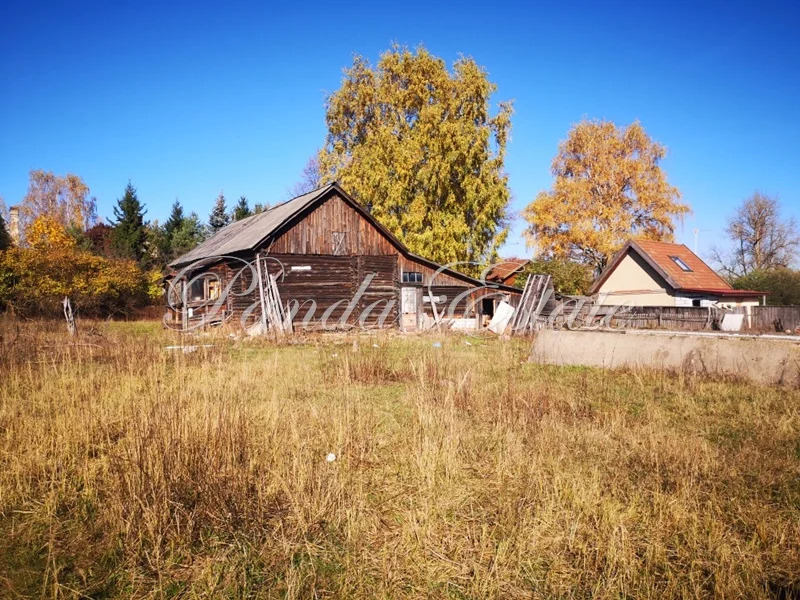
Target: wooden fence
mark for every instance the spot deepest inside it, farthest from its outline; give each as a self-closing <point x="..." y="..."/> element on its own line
<point x="770" y="318"/>
<point x="758" y="319"/>
<point x="661" y="317"/>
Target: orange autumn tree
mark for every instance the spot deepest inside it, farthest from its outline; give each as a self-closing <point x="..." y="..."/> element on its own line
<point x="64" y="198"/>
<point x="608" y="189"/>
<point x="34" y="279"/>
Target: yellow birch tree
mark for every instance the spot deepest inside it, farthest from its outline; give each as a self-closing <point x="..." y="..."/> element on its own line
<point x="417" y="145"/>
<point x="608" y="188"/>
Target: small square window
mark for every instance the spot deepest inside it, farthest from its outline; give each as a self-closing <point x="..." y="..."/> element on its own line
<point x="412" y="277"/>
<point x="338" y="243"/>
<point x="678" y="261"/>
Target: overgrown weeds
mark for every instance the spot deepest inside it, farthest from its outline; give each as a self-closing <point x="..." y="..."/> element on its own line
<point x="458" y="471"/>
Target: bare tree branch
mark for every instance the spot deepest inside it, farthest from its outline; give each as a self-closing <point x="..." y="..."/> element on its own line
<point x="761" y="238"/>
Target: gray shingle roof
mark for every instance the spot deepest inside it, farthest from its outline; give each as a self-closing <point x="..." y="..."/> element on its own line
<point x="248" y="233"/>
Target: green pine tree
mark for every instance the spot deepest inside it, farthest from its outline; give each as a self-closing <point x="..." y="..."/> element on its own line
<point x="158" y="250"/>
<point x="241" y="210"/>
<point x="5" y="237"/>
<point x="129" y="230"/>
<point x="187" y="236"/>
<point x="179" y="234"/>
<point x="175" y="220"/>
<point x="219" y="216"/>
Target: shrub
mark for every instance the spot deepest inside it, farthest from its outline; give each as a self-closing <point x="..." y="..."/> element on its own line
<point x="34" y="280"/>
<point x="782" y="285"/>
<point x="569" y="277"/>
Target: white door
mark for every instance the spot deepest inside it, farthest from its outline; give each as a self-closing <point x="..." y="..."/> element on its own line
<point x="409" y="307"/>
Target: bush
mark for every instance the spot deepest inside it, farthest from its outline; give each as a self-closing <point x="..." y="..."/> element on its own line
<point x="782" y="285"/>
<point x="34" y="280"/>
<point x="569" y="277"/>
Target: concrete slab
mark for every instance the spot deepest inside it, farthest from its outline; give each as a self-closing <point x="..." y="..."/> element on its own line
<point x="772" y="361"/>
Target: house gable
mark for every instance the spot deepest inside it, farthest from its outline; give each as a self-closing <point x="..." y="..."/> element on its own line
<point x="633" y="279"/>
<point x="634" y="273"/>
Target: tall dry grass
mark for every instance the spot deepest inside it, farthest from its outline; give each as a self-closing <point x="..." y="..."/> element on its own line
<point x="131" y="471"/>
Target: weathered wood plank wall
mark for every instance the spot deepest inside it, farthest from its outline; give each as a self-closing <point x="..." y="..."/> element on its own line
<point x="314" y="234"/>
<point x="429" y="275"/>
<point x="445" y="296"/>
<point x="767" y="318"/>
<point x="329" y="284"/>
<point x="689" y="318"/>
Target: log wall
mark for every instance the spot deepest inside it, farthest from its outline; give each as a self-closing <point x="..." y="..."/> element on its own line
<point x="330" y="287"/>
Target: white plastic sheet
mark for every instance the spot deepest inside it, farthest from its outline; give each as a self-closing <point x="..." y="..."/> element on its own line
<point x="502" y="316"/>
<point x="731" y="322"/>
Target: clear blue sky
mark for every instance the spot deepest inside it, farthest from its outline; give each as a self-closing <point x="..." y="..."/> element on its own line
<point x="196" y="97"/>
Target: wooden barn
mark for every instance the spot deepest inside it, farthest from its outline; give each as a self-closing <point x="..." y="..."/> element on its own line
<point x="321" y="260"/>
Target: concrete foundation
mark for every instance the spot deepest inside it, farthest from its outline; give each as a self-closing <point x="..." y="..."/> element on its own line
<point x="771" y="361"/>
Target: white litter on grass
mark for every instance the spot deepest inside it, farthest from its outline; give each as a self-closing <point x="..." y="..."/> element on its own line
<point x="375" y="346"/>
<point x="335" y="354"/>
<point x="437" y="344"/>
<point x="466" y="343"/>
<point x="331" y="457"/>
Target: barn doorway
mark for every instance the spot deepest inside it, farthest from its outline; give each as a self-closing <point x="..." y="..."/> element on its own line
<point x="487" y="307"/>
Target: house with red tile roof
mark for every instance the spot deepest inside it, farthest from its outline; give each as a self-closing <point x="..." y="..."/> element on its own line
<point x="646" y="273"/>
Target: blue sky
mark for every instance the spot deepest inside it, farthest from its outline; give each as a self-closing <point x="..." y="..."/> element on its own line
<point x="192" y="98"/>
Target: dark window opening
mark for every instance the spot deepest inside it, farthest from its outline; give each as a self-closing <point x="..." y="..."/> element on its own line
<point x="204" y="288"/>
<point x="696" y="302"/>
<point x="678" y="261"/>
<point x="412" y="277"/>
<point x="197" y="291"/>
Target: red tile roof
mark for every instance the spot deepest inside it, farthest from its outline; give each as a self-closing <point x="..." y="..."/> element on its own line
<point x="701" y="276"/>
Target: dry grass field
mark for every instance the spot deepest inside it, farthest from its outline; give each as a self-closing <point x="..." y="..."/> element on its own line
<point x="132" y="471"/>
